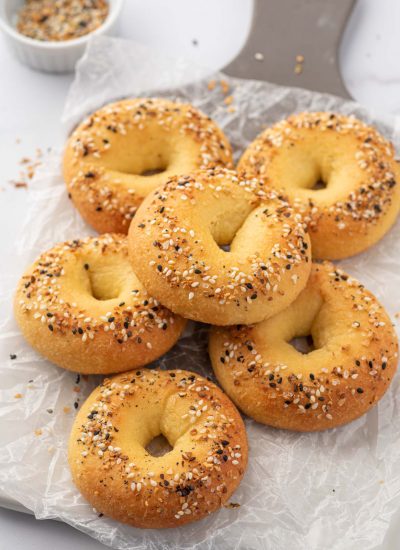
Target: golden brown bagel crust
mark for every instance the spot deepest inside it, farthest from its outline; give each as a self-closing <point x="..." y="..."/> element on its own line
<point x="348" y="372"/>
<point x="175" y="240"/>
<point x="106" y="156"/>
<point x="115" y="473"/>
<point x="362" y="197"/>
<point x="82" y="307"/>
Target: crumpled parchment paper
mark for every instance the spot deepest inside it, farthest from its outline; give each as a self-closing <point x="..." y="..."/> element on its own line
<point x="338" y="489"/>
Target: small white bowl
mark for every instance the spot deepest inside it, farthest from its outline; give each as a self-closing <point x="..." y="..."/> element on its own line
<point x="53" y="57"/>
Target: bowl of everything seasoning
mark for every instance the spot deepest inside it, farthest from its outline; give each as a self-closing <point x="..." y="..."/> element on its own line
<point x="51" y="35"/>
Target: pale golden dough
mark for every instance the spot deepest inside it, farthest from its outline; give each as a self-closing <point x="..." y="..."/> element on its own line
<point x="121" y="479"/>
<point x="352" y="366"/>
<point x="362" y="195"/>
<point x="175" y="240"/>
<point x="107" y="156"/>
<point x="83" y="308"/>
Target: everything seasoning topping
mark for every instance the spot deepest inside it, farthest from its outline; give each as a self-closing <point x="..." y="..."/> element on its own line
<point x="182" y="255"/>
<point x="47" y="296"/>
<point x="56" y="20"/>
<point x="374" y="158"/>
<point x="98" y="137"/>
<point x="333" y="383"/>
<point x="195" y="470"/>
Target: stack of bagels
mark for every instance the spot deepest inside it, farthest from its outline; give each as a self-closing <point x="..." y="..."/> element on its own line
<point x="182" y="235"/>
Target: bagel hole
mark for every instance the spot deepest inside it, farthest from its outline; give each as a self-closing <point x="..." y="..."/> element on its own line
<point x="158" y="446"/>
<point x="153" y="171"/>
<point x="303" y="344"/>
<point x="224" y="228"/>
<point x="100" y="287"/>
<point x="319" y="184"/>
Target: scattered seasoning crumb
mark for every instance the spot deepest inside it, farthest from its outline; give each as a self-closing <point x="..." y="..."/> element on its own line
<point x="224" y="86"/>
<point x="18" y="141"/>
<point x="56" y="20"/>
<point x="50" y="411"/>
<point x="29" y="166"/>
<point x="38" y="432"/>
<point x="77" y="389"/>
<point x="232" y="505"/>
<point x="298" y="69"/>
<point x="13" y="356"/>
<point x="228" y="100"/>
<point x="67" y="410"/>
<point x="259" y="56"/>
<point x="195" y="42"/>
<point x="18" y="396"/>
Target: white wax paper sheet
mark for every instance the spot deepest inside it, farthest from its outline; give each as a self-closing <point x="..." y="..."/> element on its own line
<point x="339" y="489"/>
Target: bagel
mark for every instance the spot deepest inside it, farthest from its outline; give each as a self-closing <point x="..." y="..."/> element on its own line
<point x="125" y="150"/>
<point x="83" y="308"/>
<point x="112" y="468"/>
<point x="355" y="166"/>
<point x="175" y="249"/>
<point x="351" y="367"/>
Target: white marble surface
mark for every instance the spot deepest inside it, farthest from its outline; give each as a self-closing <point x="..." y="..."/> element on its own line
<point x="369" y="55"/>
<point x="31" y="105"/>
